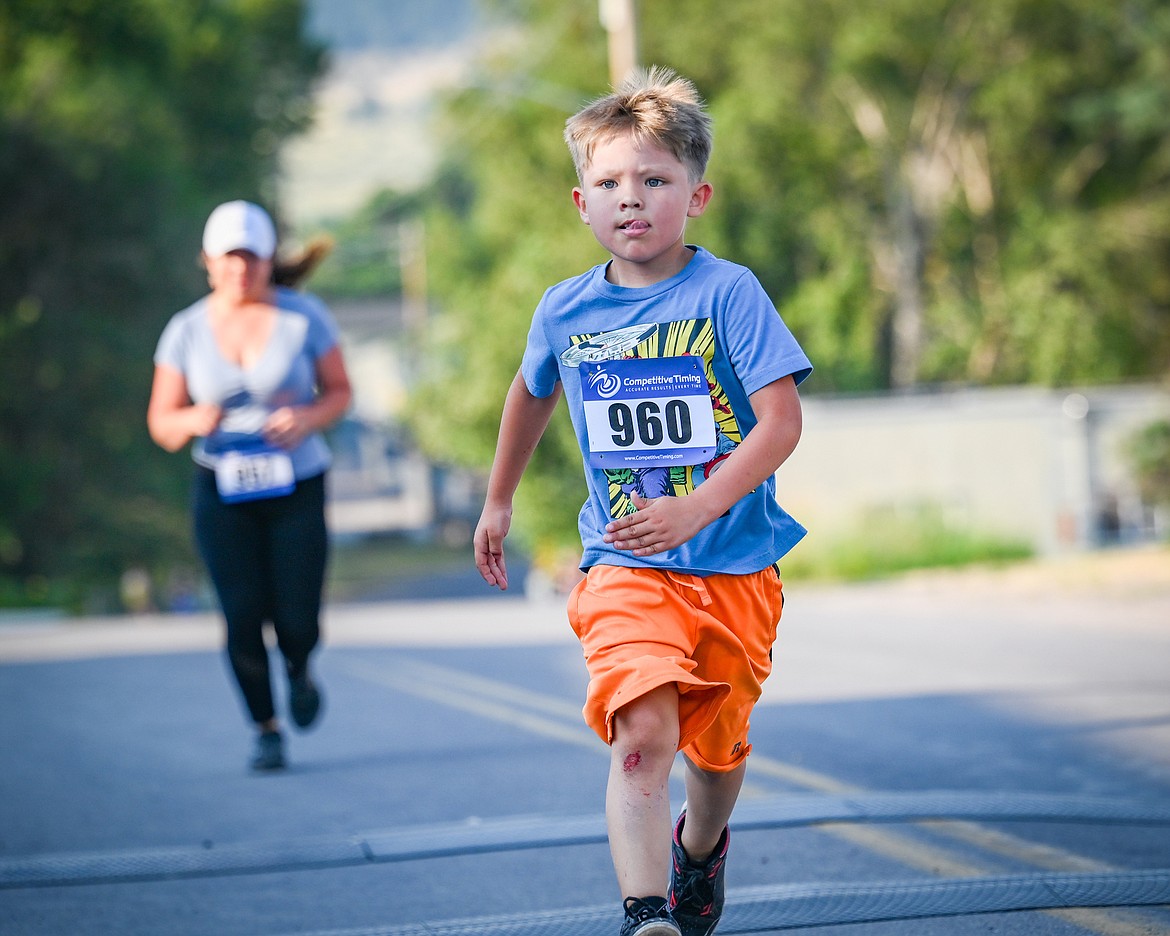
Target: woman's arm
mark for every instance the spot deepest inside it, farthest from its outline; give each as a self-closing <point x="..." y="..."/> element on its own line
<point x="290" y="425"/>
<point x="171" y="418"/>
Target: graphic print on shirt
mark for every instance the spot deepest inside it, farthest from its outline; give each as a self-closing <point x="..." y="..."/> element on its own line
<point x="687" y="338"/>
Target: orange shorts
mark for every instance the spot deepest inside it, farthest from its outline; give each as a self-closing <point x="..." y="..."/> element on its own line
<point x="710" y="635"/>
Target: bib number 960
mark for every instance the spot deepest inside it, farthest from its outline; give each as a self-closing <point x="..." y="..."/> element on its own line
<point x="650" y="424"/>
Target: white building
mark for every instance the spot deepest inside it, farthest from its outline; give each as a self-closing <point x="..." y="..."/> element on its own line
<point x="1048" y="467"/>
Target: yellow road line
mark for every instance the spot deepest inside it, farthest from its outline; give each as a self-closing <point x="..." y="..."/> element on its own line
<point x="509" y="704"/>
<point x="445" y="694"/>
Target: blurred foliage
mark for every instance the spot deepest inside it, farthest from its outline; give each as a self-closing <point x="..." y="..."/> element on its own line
<point x="930" y="191"/>
<point x="121" y="126"/>
<point x="371" y="565"/>
<point x="1149" y="450"/>
<point x="367" y="248"/>
<point x="888" y="542"/>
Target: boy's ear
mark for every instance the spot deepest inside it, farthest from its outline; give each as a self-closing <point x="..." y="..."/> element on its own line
<point x="579" y="201"/>
<point x="699" y="199"/>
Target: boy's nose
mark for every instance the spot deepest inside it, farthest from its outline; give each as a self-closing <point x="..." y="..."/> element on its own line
<point x="631" y="200"/>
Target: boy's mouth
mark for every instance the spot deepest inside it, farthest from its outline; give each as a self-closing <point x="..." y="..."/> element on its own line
<point x="634" y="226"/>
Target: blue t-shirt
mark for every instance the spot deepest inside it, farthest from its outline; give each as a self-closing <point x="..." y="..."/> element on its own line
<point x="714" y="310"/>
<point x="284" y="375"/>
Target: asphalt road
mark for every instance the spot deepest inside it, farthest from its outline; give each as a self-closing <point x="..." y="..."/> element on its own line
<point x="931" y="756"/>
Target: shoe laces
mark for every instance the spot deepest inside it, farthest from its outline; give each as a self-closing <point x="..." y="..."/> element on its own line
<point x="640" y="908"/>
<point x="693" y="887"/>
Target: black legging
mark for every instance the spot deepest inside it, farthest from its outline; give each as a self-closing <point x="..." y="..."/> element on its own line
<point x="267" y="561"/>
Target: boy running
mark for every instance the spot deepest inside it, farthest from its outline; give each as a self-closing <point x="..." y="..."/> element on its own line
<point x="680" y="378"/>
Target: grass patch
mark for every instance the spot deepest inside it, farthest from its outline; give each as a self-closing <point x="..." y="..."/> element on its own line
<point x="359" y="565"/>
<point x="889" y="542"/>
<point x="884" y="543"/>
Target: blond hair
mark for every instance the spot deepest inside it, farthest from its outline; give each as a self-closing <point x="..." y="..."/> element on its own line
<point x="655" y="105"/>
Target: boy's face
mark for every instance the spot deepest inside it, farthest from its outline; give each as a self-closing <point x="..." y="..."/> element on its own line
<point x="637" y="199"/>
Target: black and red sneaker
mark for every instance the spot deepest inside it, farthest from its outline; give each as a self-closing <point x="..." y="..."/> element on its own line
<point x="648" y="916"/>
<point x="696" y="890"/>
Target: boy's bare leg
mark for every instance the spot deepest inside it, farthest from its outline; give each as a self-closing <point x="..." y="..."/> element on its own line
<point x="711" y="797"/>
<point x="637" y="799"/>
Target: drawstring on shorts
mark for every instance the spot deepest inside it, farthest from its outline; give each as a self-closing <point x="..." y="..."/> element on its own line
<point x="693" y="582"/>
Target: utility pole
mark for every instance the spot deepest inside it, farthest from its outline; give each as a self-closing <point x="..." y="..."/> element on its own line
<point x="412" y="261"/>
<point x="620" y="22"/>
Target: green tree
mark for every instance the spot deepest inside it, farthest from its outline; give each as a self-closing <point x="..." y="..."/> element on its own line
<point x="938" y="191"/>
<point x="930" y="191"/>
<point x="501" y="228"/>
<point x="121" y="124"/>
<point x="367" y="258"/>
<point x="1149" y="451"/>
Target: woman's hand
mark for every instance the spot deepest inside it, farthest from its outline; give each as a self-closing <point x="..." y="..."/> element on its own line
<point x="287" y="427"/>
<point x="202" y="418"/>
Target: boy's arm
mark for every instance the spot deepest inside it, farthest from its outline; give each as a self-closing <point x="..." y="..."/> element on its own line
<point x="662" y="523"/>
<point x="523" y="422"/>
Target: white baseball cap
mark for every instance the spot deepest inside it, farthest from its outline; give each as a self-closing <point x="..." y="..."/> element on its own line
<point x="239" y="225"/>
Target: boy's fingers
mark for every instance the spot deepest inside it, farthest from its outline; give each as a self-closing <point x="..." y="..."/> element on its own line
<point x="499" y="570"/>
<point x="489" y="559"/>
<point x="624" y="525"/>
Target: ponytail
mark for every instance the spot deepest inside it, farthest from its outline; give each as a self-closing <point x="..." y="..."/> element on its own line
<point x="292" y="271"/>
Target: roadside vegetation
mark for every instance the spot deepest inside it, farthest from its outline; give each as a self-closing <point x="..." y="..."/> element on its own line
<point x="932" y="192"/>
<point x="887" y="543"/>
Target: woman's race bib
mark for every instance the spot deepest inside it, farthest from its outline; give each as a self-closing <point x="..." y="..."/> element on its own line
<point x="253" y="473"/>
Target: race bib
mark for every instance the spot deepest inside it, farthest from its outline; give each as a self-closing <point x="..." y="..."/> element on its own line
<point x="648" y="412"/>
<point x="252" y="474"/>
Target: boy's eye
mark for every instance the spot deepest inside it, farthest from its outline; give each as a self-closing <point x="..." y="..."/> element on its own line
<point x="654" y="183"/>
<point x="608" y="184"/>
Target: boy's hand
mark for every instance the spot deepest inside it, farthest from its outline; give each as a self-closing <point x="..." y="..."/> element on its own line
<point x="660" y="523"/>
<point x="493" y="526"/>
